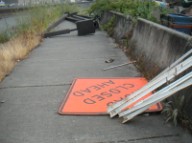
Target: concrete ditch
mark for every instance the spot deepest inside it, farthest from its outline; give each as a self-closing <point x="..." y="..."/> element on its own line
<point x="154" y="47"/>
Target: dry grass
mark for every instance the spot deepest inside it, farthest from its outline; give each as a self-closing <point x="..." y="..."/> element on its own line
<point x="6" y="68"/>
<point x="27" y="36"/>
<point x="15" y="50"/>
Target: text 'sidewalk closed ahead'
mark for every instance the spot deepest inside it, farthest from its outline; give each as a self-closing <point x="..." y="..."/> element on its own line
<point x="91" y="96"/>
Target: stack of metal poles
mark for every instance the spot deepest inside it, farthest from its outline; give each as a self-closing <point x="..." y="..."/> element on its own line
<point x="178" y="75"/>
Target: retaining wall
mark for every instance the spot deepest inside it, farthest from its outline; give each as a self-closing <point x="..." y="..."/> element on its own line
<point x="155" y="46"/>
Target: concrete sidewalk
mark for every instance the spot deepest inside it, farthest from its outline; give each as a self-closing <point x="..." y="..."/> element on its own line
<point x="32" y="94"/>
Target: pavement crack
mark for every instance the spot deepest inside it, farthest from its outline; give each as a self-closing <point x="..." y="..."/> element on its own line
<point x="155" y="137"/>
<point x="78" y="59"/>
<point x="141" y="139"/>
<point x="29" y="86"/>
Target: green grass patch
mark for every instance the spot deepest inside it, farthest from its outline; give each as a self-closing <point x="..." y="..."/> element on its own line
<point x="37" y="20"/>
<point x="109" y="26"/>
<point x="134" y="8"/>
<point x="4" y="37"/>
<point x="16" y="43"/>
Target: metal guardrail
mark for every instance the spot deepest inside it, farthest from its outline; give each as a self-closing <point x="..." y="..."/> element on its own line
<point x="164" y="93"/>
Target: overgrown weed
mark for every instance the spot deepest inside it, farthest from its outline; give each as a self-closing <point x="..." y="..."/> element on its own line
<point x="16" y="44"/>
<point x="134" y="8"/>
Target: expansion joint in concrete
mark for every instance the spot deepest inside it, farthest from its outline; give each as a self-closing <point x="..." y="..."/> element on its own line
<point x="31" y="86"/>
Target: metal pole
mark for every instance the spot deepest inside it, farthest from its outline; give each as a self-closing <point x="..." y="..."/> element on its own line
<point x="119" y="65"/>
<point x="157" y="95"/>
<point x="119" y="106"/>
<point x="161" y="97"/>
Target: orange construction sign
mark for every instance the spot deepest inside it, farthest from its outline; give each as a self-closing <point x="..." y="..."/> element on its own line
<point x="90" y="96"/>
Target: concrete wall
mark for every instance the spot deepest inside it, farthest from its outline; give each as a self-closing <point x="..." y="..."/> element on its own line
<point x="123" y="24"/>
<point x="155" y="47"/>
<point x="158" y="44"/>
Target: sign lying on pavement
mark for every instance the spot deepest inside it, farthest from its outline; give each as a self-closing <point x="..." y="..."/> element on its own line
<point x="91" y="96"/>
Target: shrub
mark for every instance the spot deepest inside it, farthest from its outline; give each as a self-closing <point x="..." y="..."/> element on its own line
<point x="135" y="8"/>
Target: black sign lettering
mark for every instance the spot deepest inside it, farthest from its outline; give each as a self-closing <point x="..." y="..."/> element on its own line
<point x="122" y="87"/>
<point x="106" y="94"/>
<point x="102" y="85"/>
<point x="109" y="103"/>
<point x="98" y="97"/>
<point x="127" y="85"/>
<point x="117" y="100"/>
<point x="96" y="88"/>
<point x="77" y="93"/>
<point x="127" y="95"/>
<point x="89" y="101"/>
<point x="114" y="91"/>
<point x="87" y="90"/>
<point x="110" y="82"/>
